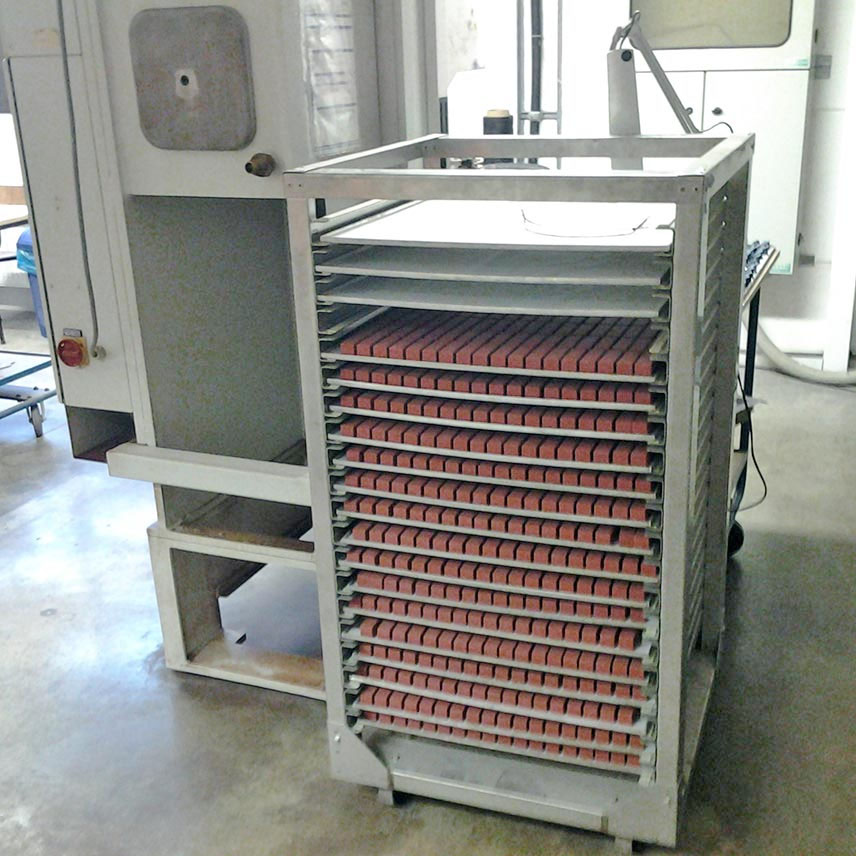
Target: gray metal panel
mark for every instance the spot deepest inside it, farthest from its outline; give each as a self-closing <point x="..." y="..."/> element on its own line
<point x="203" y="308"/>
<point x="193" y="78"/>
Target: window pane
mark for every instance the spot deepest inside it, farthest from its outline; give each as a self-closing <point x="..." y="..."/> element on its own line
<point x="715" y="23"/>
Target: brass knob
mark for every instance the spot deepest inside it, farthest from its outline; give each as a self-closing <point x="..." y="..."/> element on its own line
<point x="260" y="164"/>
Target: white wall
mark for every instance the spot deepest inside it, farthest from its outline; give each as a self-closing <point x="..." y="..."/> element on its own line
<point x="803" y="311"/>
<point x="476" y="60"/>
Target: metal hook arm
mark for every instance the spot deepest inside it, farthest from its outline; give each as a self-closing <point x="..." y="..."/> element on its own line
<point x="632" y="32"/>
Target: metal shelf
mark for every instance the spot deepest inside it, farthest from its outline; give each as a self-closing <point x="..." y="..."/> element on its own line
<point x="344" y="516"/>
<point x="348" y="541"/>
<point x="645" y="625"/>
<point x="615" y="301"/>
<point x="648" y="603"/>
<point x="547" y="756"/>
<point x="657" y="438"/>
<point x="576" y="403"/>
<point x="646" y="651"/>
<point x="648" y="659"/>
<point x="504" y="224"/>
<point x="656" y="378"/>
<point x="501" y="265"/>
<point x="342" y="491"/>
<point x="642" y="727"/>
<point x="341" y="463"/>
<point x="513" y="459"/>
<point x="648" y="704"/>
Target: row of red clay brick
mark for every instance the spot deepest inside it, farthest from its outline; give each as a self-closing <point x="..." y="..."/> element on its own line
<point x="549" y="606"/>
<point x="615" y="667"/>
<point x="556" y="630"/>
<point x="463" y="643"/>
<point x="392" y="534"/>
<point x="377" y="632"/>
<point x="499" y="496"/>
<point x="566" y="476"/>
<point x="484" y="412"/>
<point x="518" y="386"/>
<point x="556" y="705"/>
<point x="469" y="716"/>
<point x="538" y="581"/>
<point x="601" y="534"/>
<point x="605" y="346"/>
<point x="478" y="441"/>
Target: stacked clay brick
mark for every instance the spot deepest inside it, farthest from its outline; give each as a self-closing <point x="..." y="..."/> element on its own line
<point x="500" y="532"/>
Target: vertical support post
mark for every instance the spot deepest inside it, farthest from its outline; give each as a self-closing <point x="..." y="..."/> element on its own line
<point x="560" y="41"/>
<point x="521" y="65"/>
<point x="174" y="651"/>
<point x="350" y="758"/>
<point x="687" y="275"/>
<point x="303" y="283"/>
<point x="727" y="352"/>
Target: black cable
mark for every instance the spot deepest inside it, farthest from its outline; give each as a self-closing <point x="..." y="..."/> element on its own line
<point x="716" y="125"/>
<point x="752" y="449"/>
<point x="75" y="162"/>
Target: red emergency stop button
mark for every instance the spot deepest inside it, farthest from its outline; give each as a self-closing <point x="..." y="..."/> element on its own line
<point x="72" y="352"/>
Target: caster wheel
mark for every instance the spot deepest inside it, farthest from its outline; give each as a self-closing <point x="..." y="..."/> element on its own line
<point x="735" y="538"/>
<point x="36" y="415"/>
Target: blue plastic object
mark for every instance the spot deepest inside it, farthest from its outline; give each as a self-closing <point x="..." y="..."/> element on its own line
<point x="27" y="263"/>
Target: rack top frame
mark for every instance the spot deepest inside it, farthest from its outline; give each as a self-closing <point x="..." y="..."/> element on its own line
<point x="707" y="163"/>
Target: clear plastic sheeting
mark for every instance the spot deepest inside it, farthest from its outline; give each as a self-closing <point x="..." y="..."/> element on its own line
<point x="329" y="61"/>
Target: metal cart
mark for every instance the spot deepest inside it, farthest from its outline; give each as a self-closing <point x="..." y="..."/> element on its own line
<point x="15" y="366"/>
<point x="417" y="699"/>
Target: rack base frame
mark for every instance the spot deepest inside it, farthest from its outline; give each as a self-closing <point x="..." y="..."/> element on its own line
<point x="709" y="193"/>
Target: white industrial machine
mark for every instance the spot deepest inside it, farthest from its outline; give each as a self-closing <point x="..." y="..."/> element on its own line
<point x="490" y="411"/>
<point x="744" y="66"/>
<point x="152" y="137"/>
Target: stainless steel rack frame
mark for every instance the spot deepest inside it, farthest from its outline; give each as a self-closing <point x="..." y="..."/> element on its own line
<point x="687" y="282"/>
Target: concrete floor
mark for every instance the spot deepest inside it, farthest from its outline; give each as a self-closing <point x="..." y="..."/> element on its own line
<point x="105" y="751"/>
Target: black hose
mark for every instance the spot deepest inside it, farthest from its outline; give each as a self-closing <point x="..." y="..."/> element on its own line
<point x="537" y="9"/>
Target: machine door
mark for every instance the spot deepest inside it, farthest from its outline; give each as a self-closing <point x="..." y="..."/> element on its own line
<point x="41" y="113"/>
<point x="772" y="105"/>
